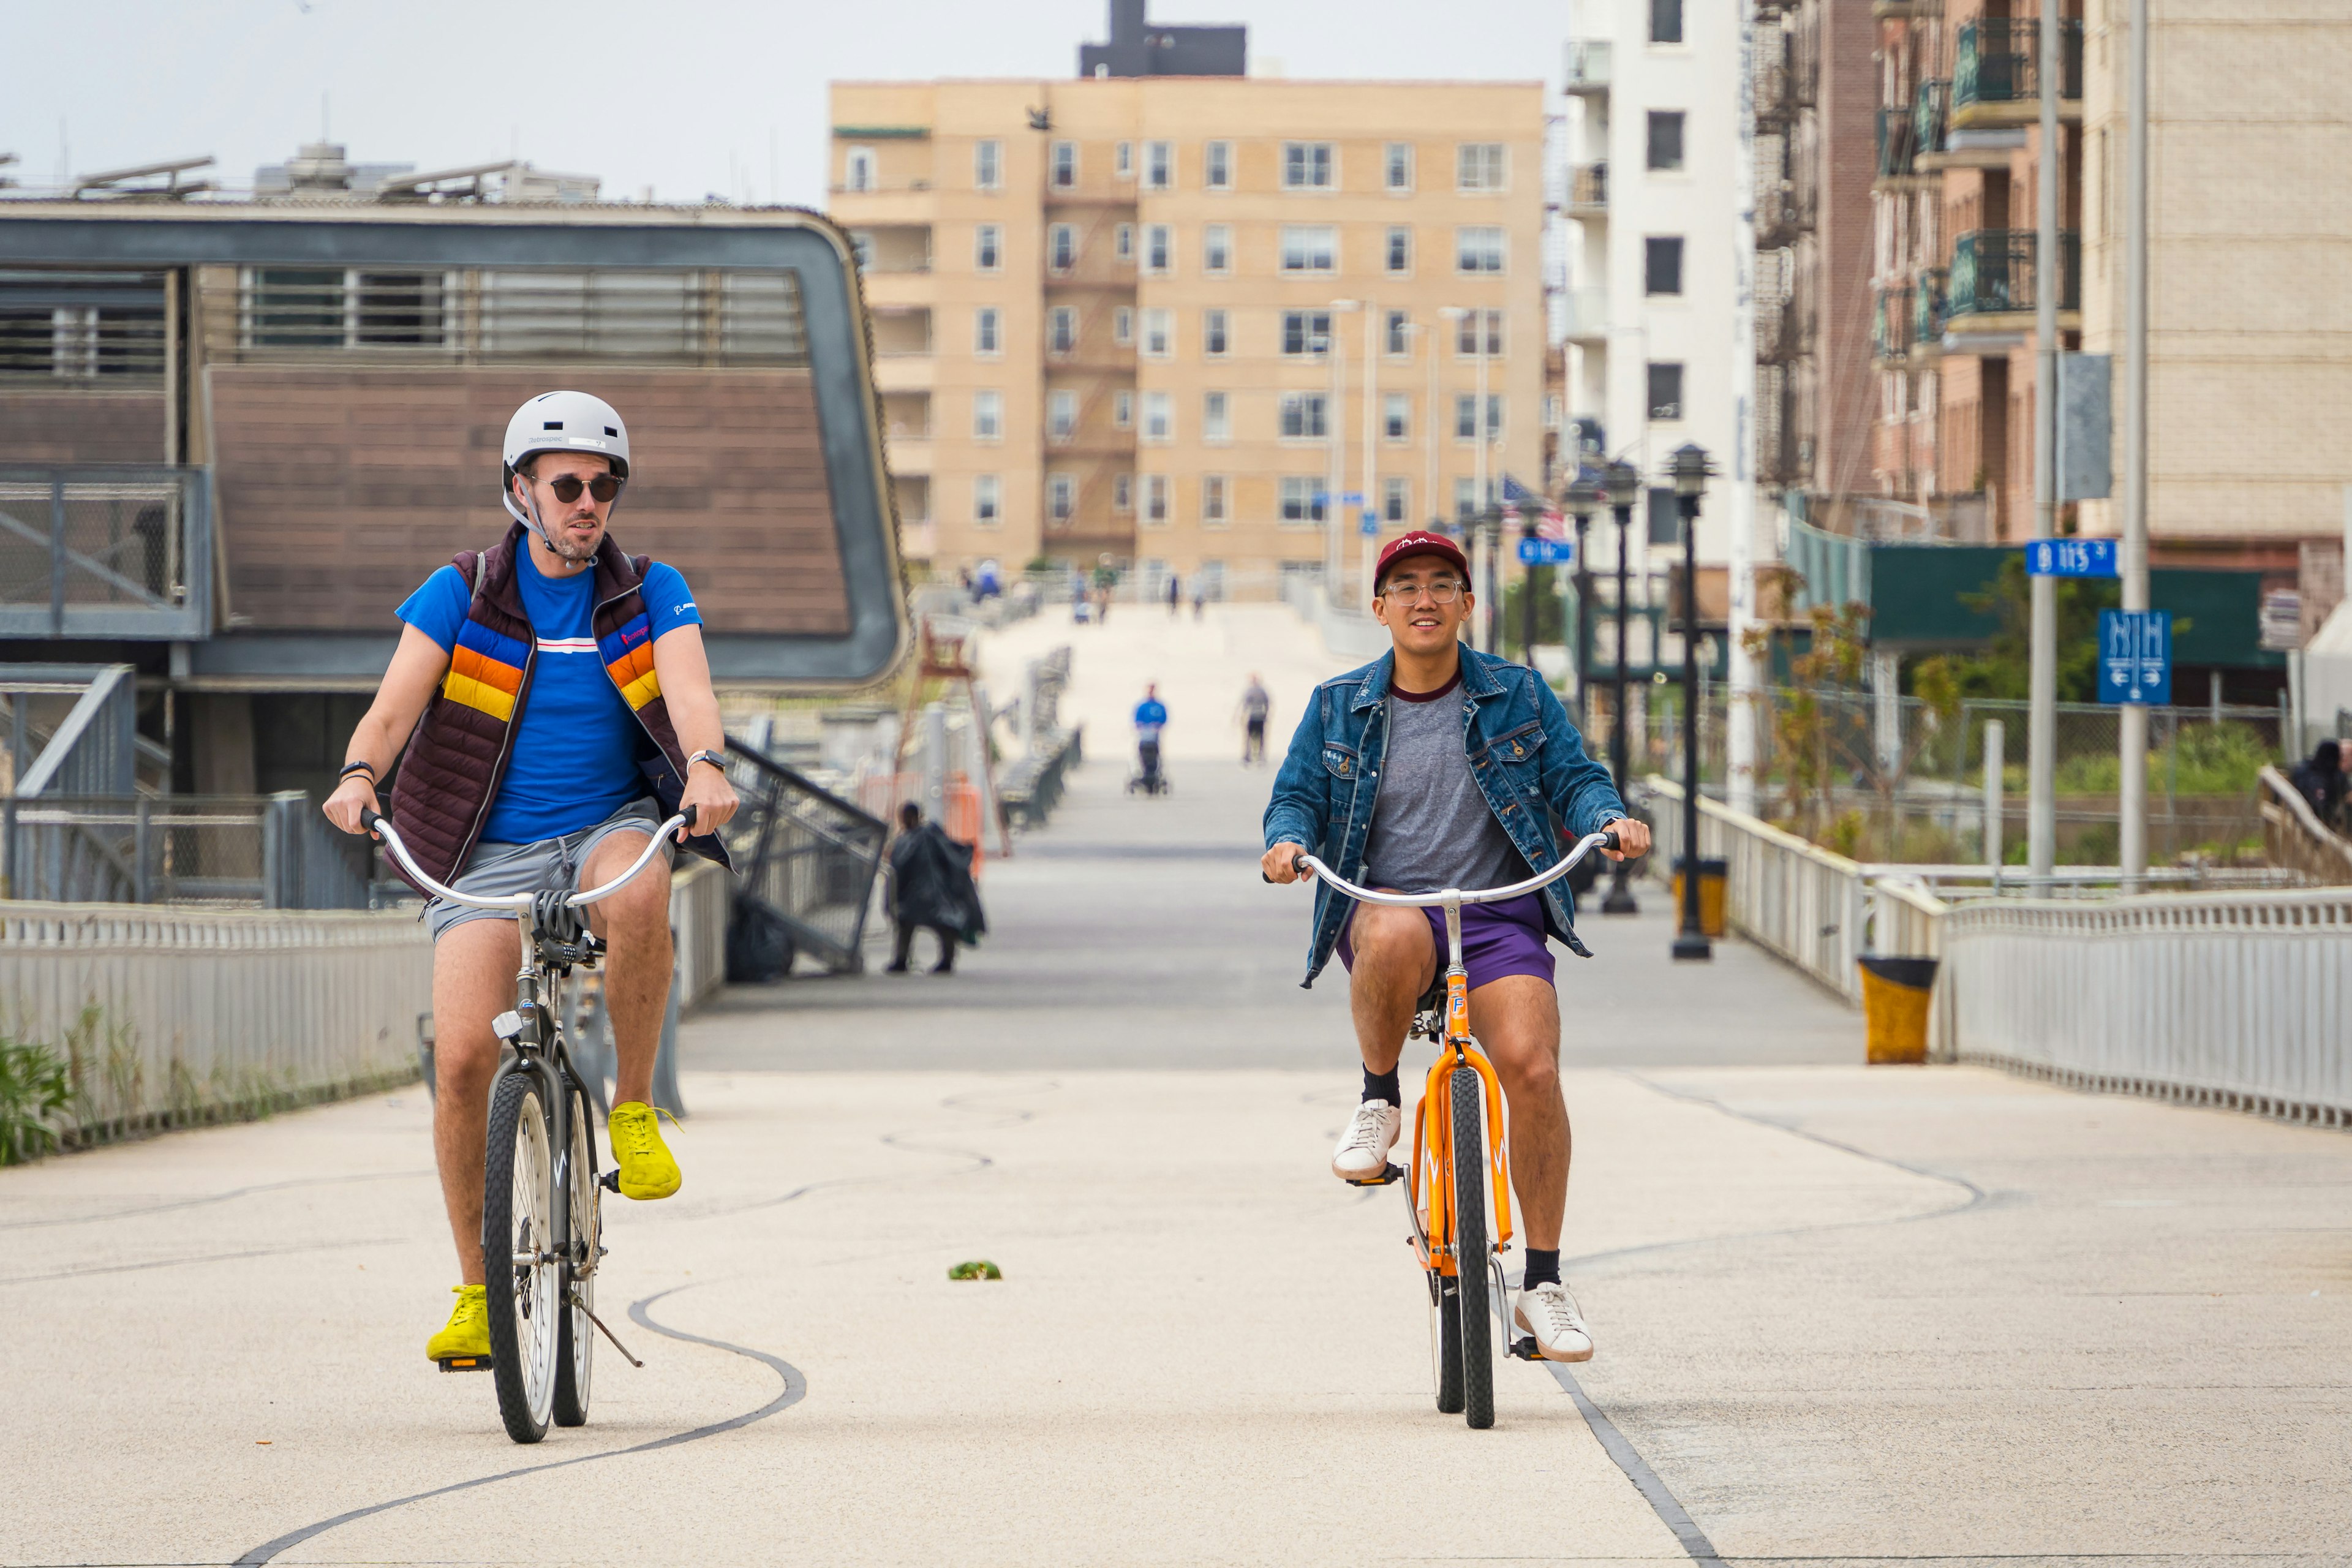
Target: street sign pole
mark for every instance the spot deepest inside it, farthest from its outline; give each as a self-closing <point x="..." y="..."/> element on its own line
<point x="2131" y="729"/>
<point x="2048" y="277"/>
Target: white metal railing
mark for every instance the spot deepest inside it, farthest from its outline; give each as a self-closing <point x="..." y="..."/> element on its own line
<point x="699" y="892"/>
<point x="170" y="1017"/>
<point x="2239" y="999"/>
<point x="2294" y="835"/>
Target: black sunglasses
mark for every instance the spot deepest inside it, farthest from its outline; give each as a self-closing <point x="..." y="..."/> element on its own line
<point x="567" y="489"/>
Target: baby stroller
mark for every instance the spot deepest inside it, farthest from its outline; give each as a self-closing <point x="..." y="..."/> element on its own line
<point x="1148" y="777"/>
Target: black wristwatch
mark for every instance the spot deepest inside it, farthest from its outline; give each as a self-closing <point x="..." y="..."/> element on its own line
<point x="716" y="759"/>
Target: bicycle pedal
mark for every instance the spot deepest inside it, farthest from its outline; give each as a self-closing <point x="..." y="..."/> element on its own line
<point x="465" y="1363"/>
<point x="611" y="1180"/>
<point x="1389" y="1173"/>
<point x="1524" y="1347"/>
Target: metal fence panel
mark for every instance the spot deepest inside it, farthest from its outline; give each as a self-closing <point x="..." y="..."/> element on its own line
<point x="275" y="851"/>
<point x="106" y="551"/>
<point x="809" y="854"/>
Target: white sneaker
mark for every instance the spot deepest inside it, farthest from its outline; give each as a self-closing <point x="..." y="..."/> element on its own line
<point x="1363" y="1151"/>
<point x="1549" y="1312"/>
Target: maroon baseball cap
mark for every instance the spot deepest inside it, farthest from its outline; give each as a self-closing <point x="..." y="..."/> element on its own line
<point x="1419" y="543"/>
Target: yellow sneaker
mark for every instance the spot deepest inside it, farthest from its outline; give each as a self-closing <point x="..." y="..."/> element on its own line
<point x="646" y="1169"/>
<point x="467" y="1337"/>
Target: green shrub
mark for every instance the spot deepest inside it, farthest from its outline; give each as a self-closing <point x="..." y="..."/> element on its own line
<point x="36" y="1088"/>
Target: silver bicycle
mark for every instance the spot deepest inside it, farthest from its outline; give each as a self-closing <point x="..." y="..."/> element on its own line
<point x="539" y="1254"/>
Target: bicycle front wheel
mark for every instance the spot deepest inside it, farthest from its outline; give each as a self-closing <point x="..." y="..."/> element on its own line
<point x="518" y="1258"/>
<point x="1477" y="1328"/>
<point x="575" y="1347"/>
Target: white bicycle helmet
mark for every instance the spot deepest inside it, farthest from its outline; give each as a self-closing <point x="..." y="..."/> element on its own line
<point x="561" y="422"/>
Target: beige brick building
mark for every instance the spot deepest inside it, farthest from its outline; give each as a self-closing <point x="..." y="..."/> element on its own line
<point x="1106" y="309"/>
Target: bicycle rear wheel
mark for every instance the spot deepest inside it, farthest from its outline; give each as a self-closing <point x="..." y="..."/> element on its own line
<point x="1475" y="1326"/>
<point x="575" y="1345"/>
<point x="519" y="1260"/>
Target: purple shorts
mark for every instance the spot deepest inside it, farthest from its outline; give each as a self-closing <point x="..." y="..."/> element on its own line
<point x="1496" y="940"/>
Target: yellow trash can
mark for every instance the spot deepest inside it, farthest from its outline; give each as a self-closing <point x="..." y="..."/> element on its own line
<point x="1711" y="874"/>
<point x="1894" y="997"/>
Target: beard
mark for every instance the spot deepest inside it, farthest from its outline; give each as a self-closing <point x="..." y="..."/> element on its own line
<point x="566" y="548"/>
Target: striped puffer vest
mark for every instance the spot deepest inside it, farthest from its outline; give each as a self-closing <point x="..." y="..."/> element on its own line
<point x="450" y="772"/>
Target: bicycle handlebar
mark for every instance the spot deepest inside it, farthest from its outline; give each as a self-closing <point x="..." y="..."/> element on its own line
<point x="1604" y="839"/>
<point x="374" y="822"/>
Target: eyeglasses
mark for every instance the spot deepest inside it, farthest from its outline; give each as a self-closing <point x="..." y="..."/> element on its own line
<point x="567" y="487"/>
<point x="1444" y="591"/>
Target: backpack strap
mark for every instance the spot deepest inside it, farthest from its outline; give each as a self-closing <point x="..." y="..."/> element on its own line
<point x="469" y="564"/>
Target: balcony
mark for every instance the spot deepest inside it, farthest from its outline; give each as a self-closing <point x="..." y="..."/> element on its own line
<point x="1587" y="310"/>
<point x="902" y="333"/>
<point x="1997" y="71"/>
<point x="1783" y="211"/>
<point x="1898" y="146"/>
<point x="1585" y="193"/>
<point x="106" y="551"/>
<point x="1588" y="66"/>
<point x="1891" y="328"/>
<point x="1995" y="282"/>
<point x="1930" y="303"/>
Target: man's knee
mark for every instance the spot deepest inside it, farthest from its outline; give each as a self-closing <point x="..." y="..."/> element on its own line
<point x="1391" y="946"/>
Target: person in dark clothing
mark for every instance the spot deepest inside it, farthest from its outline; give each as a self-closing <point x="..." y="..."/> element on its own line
<point x="932" y="888"/>
<point x="2322" y="782"/>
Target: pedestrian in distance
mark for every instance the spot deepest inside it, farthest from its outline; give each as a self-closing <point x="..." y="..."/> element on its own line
<point x="2323" y="782"/>
<point x="1256" y="706"/>
<point x="932" y="888"/>
<point x="1175" y="595"/>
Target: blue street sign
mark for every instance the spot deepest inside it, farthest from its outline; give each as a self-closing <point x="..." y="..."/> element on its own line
<point x="1548" y="552"/>
<point x="1370" y="525"/>
<point x="2136" y="655"/>
<point x="2071" y="558"/>
<point x="1346" y="497"/>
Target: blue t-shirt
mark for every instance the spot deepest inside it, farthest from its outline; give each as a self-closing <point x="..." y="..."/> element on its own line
<point x="572" y="761"/>
<point x="1150" y="714"/>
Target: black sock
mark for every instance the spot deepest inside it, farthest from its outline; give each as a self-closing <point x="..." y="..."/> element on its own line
<point x="1543" y="1269"/>
<point x="1382" y="1086"/>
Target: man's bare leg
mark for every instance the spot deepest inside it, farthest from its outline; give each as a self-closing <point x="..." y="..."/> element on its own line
<point x="1395" y="960"/>
<point x="1516" y="1019"/>
<point x="635" y="926"/>
<point x="474" y="967"/>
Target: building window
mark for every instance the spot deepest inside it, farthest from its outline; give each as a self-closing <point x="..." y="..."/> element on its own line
<point x="1159" y="248"/>
<point x="1061" y="247"/>
<point x="1303" y="416"/>
<point x="1158" y="417"/>
<point x="1217" y="171"/>
<point x="1061" y="415"/>
<point x="1467" y="334"/>
<point x="987" y="165"/>
<point x="1062" y="330"/>
<point x="984" y="332"/>
<point x="857" y="170"/>
<point x="1396" y="415"/>
<point x="1122" y="326"/>
<point x="1479" y="249"/>
<point x="988" y="416"/>
<point x="1307" y="166"/>
<point x="987" y="247"/>
<point x="1666" y="138"/>
<point x="1061" y="497"/>
<point x="1665" y="390"/>
<point x="1062" y="165"/>
<point x="1156" y="333"/>
<point x="1400" y="335"/>
<point x="1666" y="21"/>
<point x="1155" y="500"/>
<point x="1122" y="161"/>
<point x="987" y="501"/>
<point x="1396" y="500"/>
<point x="1306" y="332"/>
<point x="1212" y="335"/>
<point x="1123" y="241"/>
<point x="1122" y="493"/>
<point x="1662" y="264"/>
<point x="1302" y="501"/>
<point x="1465" y="416"/>
<point x="1479" y="166"/>
<point x="1122" y="409"/>
<point x="1310" y="247"/>
<point x="1665" y="517"/>
<point x="1400" y="166"/>
<point x="1160" y="166"/>
<point x="1217" y="249"/>
<point x="1213" y="513"/>
<point x="1216" y="416"/>
<point x="1400" y="252"/>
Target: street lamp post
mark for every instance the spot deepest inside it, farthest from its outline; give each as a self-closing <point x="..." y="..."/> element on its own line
<point x="1623" y="483"/>
<point x="1584" y="498"/>
<point x="1690" y="467"/>
<point x="1527" y="579"/>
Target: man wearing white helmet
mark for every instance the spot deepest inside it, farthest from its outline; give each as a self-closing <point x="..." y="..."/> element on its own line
<point x="549" y="705"/>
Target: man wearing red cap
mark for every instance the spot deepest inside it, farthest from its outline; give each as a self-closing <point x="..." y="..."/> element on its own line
<point x="1440" y="766"/>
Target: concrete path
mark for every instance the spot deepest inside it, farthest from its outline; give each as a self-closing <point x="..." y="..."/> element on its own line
<point x="1846" y="1315"/>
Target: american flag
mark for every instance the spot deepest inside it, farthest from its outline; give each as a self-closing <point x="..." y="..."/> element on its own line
<point x="1551" y="521"/>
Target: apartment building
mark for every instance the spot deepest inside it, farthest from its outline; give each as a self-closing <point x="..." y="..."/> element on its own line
<point x="1651" y="195"/>
<point x="1163" y="318"/>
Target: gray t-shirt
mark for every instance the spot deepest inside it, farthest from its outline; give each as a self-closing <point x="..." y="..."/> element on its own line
<point x="1430" y="828"/>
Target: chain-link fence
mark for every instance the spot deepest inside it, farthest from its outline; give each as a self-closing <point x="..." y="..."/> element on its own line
<point x="1893" y="779"/>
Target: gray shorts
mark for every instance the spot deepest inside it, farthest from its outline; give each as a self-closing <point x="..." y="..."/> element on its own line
<point x="504" y="868"/>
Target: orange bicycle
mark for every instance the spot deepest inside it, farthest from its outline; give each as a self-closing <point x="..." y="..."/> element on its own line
<point x="1460" y="1207"/>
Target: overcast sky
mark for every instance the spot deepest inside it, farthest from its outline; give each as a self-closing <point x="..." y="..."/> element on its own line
<point x="690" y="96"/>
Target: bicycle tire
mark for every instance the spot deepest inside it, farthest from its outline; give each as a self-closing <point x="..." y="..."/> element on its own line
<point x="1449" y="1345"/>
<point x="518" y="1202"/>
<point x="1477" y="1327"/>
<point x="575" y="1339"/>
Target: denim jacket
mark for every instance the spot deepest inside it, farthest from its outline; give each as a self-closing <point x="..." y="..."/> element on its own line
<point x="1528" y="758"/>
